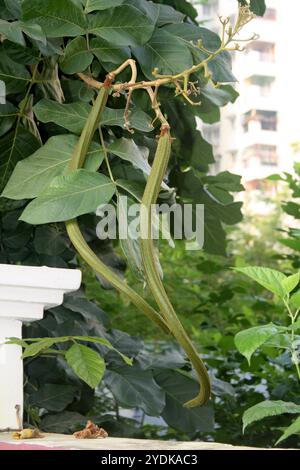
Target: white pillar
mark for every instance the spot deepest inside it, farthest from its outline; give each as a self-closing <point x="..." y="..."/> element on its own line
<point x="25" y="292"/>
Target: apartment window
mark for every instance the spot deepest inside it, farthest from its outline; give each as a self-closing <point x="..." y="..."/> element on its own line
<point x="271" y="14"/>
<point x="262" y="83"/>
<point x="265" y="50"/>
<point x="267" y="154"/>
<point x="266" y="119"/>
<point x="233" y="156"/>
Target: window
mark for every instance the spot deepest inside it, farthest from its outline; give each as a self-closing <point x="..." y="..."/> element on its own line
<point x="233" y="156"/>
<point x="271" y="14"/>
<point x="266" y="119"/>
<point x="265" y="50"/>
<point x="263" y="84"/>
<point x="267" y="154"/>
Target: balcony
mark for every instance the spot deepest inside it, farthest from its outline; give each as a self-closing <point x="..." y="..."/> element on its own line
<point x="255" y="97"/>
<point x="256" y="63"/>
<point x="257" y="135"/>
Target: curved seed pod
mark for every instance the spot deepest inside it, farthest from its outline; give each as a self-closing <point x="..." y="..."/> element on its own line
<point x="97" y="265"/>
<point x="151" y="272"/>
<point x="73" y="229"/>
<point x="89" y="129"/>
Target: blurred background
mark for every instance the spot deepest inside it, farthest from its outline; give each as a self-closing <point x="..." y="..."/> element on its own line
<point x="258" y="134"/>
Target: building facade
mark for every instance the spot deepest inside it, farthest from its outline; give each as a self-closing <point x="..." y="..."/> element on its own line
<point x="255" y="135"/>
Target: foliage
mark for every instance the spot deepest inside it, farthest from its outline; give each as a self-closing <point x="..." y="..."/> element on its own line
<point x="290" y="207"/>
<point x="46" y="110"/>
<point x="44" y="45"/>
<point x="87" y="364"/>
<point x="283" y="339"/>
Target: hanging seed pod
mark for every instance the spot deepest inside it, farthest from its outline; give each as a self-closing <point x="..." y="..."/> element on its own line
<point x="151" y="271"/>
<point x="73" y="230"/>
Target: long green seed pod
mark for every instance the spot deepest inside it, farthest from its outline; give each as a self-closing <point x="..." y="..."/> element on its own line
<point x="73" y="229"/>
<point x="89" y="130"/>
<point x="98" y="266"/>
<point x="151" y="271"/>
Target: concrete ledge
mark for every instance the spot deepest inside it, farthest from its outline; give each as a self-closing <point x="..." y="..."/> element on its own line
<point x="63" y="442"/>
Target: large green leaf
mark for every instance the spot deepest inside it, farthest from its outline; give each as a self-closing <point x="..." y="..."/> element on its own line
<point x="108" y="53"/>
<point x="76" y="56"/>
<point x="68" y="196"/>
<point x="92" y="5"/>
<point x="248" y="341"/>
<point x="290" y="243"/>
<point x="129" y="151"/>
<point x="32" y="175"/>
<point x="8" y="114"/>
<point x="138" y="119"/>
<point x="71" y="116"/>
<point x="86" y="363"/>
<point x="15" y="76"/>
<point x="268" y="408"/>
<point x="88" y="310"/>
<point x="220" y="96"/>
<point x="49" y="241"/>
<point x="164" y="52"/>
<point x="53" y="397"/>
<point x="134" y="387"/>
<point x="12" y="31"/>
<point x="20" y="54"/>
<point x="192" y="187"/>
<point x="14" y="146"/>
<point x="104" y="342"/>
<point x="291" y="282"/>
<point x="191" y="32"/>
<point x="221" y="65"/>
<point x="294" y="428"/>
<point x="201" y="153"/>
<point x="57" y="18"/>
<point x="168" y="14"/>
<point x="179" y="389"/>
<point x="150" y="9"/>
<point x="220" y="186"/>
<point x="64" y="423"/>
<point x="33" y="30"/>
<point x="270" y="279"/>
<point x="124" y="26"/>
<point x="295" y="299"/>
<point x="13" y="7"/>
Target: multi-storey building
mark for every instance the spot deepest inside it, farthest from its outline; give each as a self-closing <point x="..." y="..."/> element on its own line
<point x="255" y="134"/>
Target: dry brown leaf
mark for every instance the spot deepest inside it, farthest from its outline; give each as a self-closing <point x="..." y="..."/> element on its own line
<point x="91" y="431"/>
